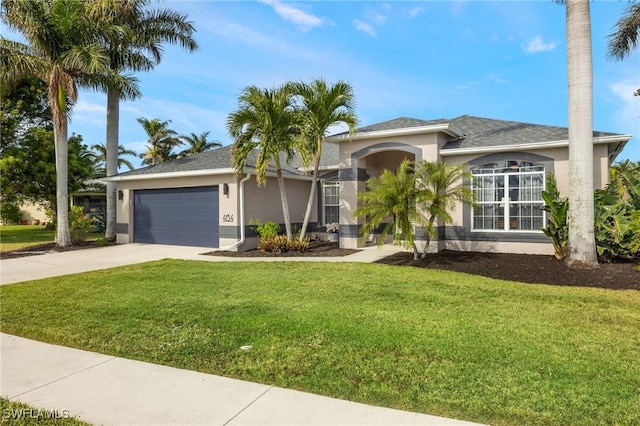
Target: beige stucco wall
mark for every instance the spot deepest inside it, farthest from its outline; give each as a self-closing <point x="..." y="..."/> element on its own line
<point x="261" y="203"/>
<point x="428" y="147"/>
<point x="33" y="212"/>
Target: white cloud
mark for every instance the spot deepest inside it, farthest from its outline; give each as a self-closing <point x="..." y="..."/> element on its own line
<point x="416" y="11"/>
<point x="537" y="45"/>
<point x="302" y="19"/>
<point x="364" y="27"/>
<point x="492" y="76"/>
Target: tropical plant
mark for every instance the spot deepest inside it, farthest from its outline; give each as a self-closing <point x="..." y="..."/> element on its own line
<point x="63" y="51"/>
<point x="323" y="106"/>
<point x="198" y="143"/>
<point x="440" y="186"/>
<point x="617" y="207"/>
<point x="79" y="224"/>
<point x="266" y="121"/>
<point x="557" y="207"/>
<point x="390" y="202"/>
<point x="626" y="37"/>
<point x="581" y="246"/>
<point x="133" y="41"/>
<point x="100" y="158"/>
<point x="161" y="141"/>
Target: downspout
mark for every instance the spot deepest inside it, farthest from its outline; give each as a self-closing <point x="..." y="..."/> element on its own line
<point x="241" y="196"/>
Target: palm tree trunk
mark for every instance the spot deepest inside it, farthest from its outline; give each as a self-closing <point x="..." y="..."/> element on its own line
<point x="312" y="196"/>
<point x="113" y="123"/>
<point x="428" y="236"/>
<point x="283" y="198"/>
<point x="63" y="236"/>
<point x="581" y="244"/>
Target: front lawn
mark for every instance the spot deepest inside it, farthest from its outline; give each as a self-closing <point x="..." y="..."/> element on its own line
<point x="436" y="342"/>
<point x="18" y="237"/>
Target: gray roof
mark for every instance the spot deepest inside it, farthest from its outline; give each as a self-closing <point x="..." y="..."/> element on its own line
<point x="478" y="132"/>
<point x="484" y="132"/>
<point x="219" y="158"/>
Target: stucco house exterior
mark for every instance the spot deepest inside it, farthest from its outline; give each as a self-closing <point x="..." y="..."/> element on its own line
<point x="199" y="201"/>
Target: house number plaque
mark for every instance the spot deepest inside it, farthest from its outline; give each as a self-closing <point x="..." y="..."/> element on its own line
<point x="227" y="218"/>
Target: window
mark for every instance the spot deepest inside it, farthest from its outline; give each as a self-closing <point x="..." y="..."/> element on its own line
<point x="331" y="197"/>
<point x="508" y="196"/>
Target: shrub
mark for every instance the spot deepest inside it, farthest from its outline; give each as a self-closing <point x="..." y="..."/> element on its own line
<point x="557" y="229"/>
<point x="300" y="246"/>
<point x="79" y="224"/>
<point x="276" y="244"/>
<point x="267" y="230"/>
<point x="617" y="226"/>
<point x="10" y="213"/>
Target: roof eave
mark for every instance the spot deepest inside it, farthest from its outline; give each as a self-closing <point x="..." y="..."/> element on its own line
<point x="168" y="175"/>
<point x="534" y="145"/>
<point x="407" y="131"/>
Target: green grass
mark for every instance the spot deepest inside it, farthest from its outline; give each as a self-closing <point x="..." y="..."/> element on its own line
<point x="18" y="414"/>
<point x="17" y="237"/>
<point x="435" y="342"/>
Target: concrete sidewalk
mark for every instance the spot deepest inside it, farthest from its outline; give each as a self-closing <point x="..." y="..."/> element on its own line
<point x="106" y="390"/>
<point x="76" y="261"/>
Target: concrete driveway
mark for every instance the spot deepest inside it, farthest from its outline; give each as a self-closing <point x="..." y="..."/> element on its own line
<point x="75" y="261"/>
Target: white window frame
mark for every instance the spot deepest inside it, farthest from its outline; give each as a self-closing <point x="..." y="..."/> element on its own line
<point x="503" y="170"/>
<point x="330" y="183"/>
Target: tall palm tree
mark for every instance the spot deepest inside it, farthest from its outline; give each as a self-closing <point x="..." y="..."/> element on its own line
<point x="134" y="43"/>
<point x="100" y="158"/>
<point x="61" y="50"/>
<point x="198" y="143"/>
<point x="161" y="141"/>
<point x="323" y="106"/>
<point x="390" y="199"/>
<point x="267" y="121"/>
<point x="440" y="186"/>
<point x="581" y="245"/>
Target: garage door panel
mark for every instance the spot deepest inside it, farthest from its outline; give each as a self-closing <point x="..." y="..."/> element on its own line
<point x="180" y="216"/>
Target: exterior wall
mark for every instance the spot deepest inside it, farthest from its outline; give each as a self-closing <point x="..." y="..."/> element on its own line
<point x="361" y="159"/>
<point x="33" y="213"/>
<point x="261" y="204"/>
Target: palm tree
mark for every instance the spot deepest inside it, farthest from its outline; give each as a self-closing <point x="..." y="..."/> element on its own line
<point x="627" y="35"/>
<point x="581" y="245"/>
<point x="322" y="106"/>
<point x="390" y="199"/>
<point x="100" y="158"/>
<point x="439" y="187"/>
<point x="161" y="141"/>
<point x="62" y="51"/>
<point x="198" y="143"/>
<point x="267" y="121"/>
<point x="134" y="43"/>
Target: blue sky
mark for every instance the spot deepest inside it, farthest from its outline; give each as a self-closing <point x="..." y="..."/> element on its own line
<point x="426" y="60"/>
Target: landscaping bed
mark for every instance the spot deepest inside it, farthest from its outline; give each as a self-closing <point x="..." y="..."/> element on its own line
<point x="316" y="249"/>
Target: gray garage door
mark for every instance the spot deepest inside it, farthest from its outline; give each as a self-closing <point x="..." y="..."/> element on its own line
<point x="179" y="216"/>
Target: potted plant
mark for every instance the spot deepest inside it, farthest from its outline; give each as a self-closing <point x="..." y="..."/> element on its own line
<point x="332" y="229"/>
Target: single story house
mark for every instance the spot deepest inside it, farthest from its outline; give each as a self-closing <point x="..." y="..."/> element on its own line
<point x="199" y="201"/>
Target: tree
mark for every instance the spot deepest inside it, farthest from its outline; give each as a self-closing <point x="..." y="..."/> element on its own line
<point x="581" y="248"/>
<point x="267" y="121"/>
<point x="133" y="40"/>
<point x="100" y="158"/>
<point x="627" y="35"/>
<point x="29" y="170"/>
<point x="198" y="143"/>
<point x="390" y="199"/>
<point x="322" y="107"/>
<point x="440" y="186"/>
<point x="161" y="141"/>
<point x="63" y="52"/>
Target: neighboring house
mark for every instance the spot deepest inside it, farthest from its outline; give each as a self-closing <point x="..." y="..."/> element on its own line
<point x="198" y="200"/>
<point x="93" y="197"/>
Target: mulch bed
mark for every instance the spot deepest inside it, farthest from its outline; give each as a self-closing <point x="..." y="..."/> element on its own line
<point x="316" y="249"/>
<point x="46" y="248"/>
<point x="526" y="268"/>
